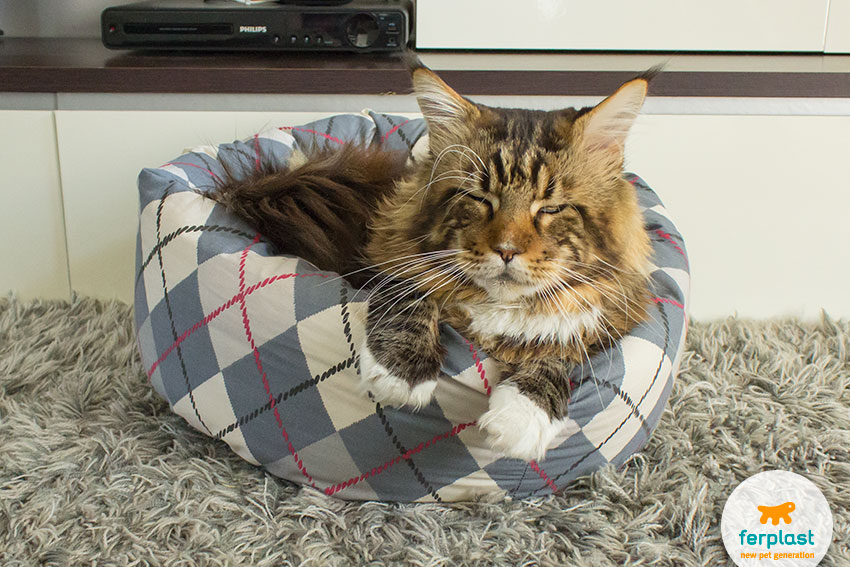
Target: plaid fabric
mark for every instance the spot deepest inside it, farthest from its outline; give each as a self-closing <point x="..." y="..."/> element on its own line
<point x="260" y="350"/>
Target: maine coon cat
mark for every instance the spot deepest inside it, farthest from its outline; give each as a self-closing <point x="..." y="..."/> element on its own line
<point x="516" y="228"/>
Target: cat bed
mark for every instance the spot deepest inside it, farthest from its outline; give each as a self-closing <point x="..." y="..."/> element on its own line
<point x="261" y="350"/>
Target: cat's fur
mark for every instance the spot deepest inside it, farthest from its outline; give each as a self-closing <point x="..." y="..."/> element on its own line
<point x="319" y="209"/>
<point x="517" y="229"/>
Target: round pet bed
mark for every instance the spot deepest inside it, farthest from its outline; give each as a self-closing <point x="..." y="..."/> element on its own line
<point x="261" y="350"/>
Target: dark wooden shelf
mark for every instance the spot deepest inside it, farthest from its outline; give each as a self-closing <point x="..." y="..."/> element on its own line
<point x="84" y="65"/>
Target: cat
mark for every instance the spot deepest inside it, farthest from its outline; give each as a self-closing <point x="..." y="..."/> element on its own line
<point x="517" y="228"/>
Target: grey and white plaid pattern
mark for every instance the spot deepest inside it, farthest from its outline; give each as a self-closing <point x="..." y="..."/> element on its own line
<point x="260" y="350"/>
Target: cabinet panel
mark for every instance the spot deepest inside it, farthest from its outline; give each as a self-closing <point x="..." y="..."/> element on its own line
<point x="101" y="154"/>
<point x="32" y="247"/>
<point x="762" y="202"/>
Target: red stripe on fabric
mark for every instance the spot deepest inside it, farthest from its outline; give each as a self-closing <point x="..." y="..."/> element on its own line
<point x="665" y="235"/>
<point x="189" y="165"/>
<point x="247" y="324"/>
<point x="221" y="309"/>
<point x="535" y="466"/>
<point x="670" y="301"/>
<point x="257" y="151"/>
<point x="407" y="455"/>
<point x="479" y="367"/>
<point x="391" y="132"/>
<point x="669" y="239"/>
<point x="308" y="131"/>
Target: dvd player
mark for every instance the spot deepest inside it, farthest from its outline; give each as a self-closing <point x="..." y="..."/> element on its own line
<point x="358" y="25"/>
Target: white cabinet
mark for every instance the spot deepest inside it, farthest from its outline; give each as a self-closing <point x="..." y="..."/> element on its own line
<point x="763" y="204"/>
<point x="648" y="25"/>
<point x="33" y="262"/>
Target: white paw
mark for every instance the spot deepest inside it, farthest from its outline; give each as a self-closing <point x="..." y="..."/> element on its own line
<point x="516" y="426"/>
<point x="389" y="389"/>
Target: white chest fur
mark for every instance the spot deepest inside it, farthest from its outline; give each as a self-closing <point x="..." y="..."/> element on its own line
<point x="516" y="322"/>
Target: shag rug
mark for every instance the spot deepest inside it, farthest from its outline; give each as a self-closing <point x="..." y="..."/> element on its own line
<point x="95" y="470"/>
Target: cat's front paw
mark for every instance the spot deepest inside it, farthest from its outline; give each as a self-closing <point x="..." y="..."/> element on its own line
<point x="516" y="426"/>
<point x="389" y="389"/>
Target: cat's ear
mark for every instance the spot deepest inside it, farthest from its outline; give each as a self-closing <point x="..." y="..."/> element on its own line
<point x="444" y="110"/>
<point x="607" y="125"/>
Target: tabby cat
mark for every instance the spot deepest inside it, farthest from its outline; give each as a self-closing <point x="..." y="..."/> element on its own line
<point x="516" y="228"/>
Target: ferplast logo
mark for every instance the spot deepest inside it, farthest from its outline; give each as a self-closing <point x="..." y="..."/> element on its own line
<point x="776" y="518"/>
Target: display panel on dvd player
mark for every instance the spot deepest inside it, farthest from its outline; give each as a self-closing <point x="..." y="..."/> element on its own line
<point x="359" y="25"/>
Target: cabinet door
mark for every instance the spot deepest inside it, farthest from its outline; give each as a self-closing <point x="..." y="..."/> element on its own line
<point x="101" y="154"/>
<point x="649" y="25"/>
<point x="762" y="202"/>
<point x="32" y="247"/>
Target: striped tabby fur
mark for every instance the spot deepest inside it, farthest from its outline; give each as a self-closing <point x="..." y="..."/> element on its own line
<point x="517" y="229"/>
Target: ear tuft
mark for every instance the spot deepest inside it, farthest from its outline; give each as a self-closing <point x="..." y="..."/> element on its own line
<point x="650" y="74"/>
<point x="411" y="60"/>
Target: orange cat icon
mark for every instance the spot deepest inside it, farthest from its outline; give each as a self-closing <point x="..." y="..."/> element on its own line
<point x="776" y="513"/>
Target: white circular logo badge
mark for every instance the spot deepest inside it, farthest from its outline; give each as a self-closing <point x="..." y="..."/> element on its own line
<point x="776" y="518"/>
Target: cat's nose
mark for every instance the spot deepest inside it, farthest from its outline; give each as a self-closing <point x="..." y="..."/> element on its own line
<point x="507" y="253"/>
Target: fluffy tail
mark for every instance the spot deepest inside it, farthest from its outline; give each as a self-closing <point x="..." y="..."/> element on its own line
<point x="319" y="210"/>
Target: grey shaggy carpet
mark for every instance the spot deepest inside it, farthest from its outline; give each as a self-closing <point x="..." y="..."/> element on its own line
<point x="95" y="470"/>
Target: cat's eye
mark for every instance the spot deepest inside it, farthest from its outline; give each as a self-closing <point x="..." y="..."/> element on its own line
<point x="551" y="210"/>
<point x="474" y="197"/>
<point x="479" y="198"/>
